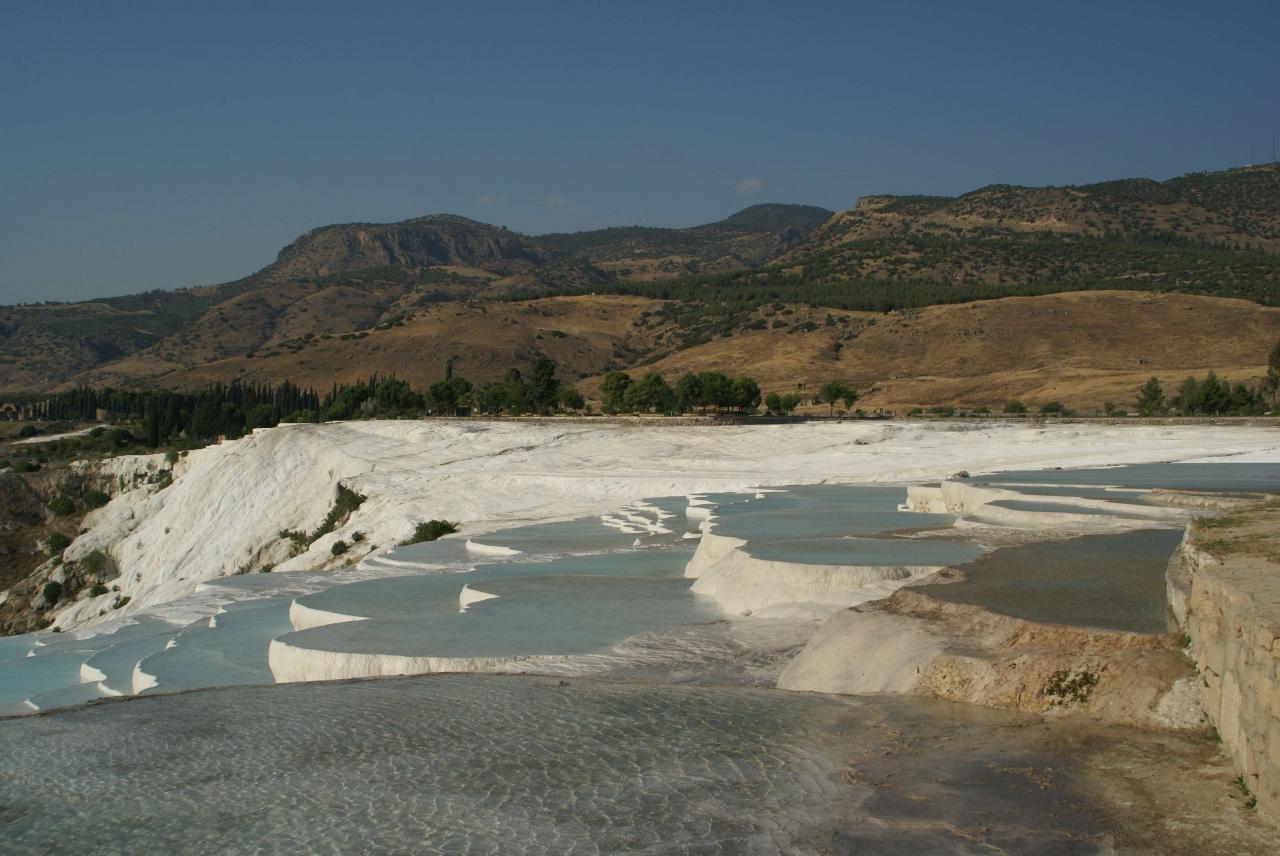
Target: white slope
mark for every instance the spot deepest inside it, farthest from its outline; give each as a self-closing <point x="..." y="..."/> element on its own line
<point x="228" y="504"/>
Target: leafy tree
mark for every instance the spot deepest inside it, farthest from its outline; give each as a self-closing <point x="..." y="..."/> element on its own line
<point x="717" y="390"/>
<point x="448" y="395"/>
<point x="688" y="391"/>
<point x="831" y="392"/>
<point x="492" y="398"/>
<point x="262" y="416"/>
<point x="1013" y="406"/>
<point x="516" y="391"/>
<point x="1054" y="408"/>
<point x="651" y="392"/>
<point x="791" y="401"/>
<point x="1150" y="401"/>
<point x="744" y="394"/>
<point x="57" y="543"/>
<point x="849" y="397"/>
<point x="393" y="396"/>
<point x="773" y="403"/>
<point x="613" y="390"/>
<point x="1271" y="383"/>
<point x="542" y="386"/>
<point x="51" y="592"/>
<point x="568" y="398"/>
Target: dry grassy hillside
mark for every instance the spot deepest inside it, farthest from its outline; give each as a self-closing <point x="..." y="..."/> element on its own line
<point x="584" y="335"/>
<point x="1081" y="348"/>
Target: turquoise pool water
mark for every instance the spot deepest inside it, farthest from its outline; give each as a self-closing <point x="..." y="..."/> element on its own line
<point x="1225" y="477"/>
<point x="866" y="551"/>
<point x="543" y="615"/>
<point x="1109" y="581"/>
<point x="1067" y="508"/>
<point x="580" y="585"/>
<point x="823" y="511"/>
<point x="232" y="651"/>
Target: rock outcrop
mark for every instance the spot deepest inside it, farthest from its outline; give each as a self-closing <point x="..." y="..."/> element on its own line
<point x="957" y="652"/>
<point x="1224" y="585"/>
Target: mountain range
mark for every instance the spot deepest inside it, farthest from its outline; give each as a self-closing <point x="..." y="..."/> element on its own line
<point x="344" y="300"/>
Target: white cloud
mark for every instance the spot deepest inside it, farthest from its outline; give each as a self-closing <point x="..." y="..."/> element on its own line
<point x="557" y="200"/>
<point x="491" y="199"/>
<point x="749" y="184"/>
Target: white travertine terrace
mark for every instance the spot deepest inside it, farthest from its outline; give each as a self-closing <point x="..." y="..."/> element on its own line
<point x="228" y="504"/>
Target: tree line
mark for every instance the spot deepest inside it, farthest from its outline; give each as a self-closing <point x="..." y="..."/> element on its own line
<point x="192" y="418"/>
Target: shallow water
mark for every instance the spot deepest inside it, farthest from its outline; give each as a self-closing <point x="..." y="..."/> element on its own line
<point x="506" y="765"/>
<point x="543" y="615"/>
<point x="823" y="511"/>
<point x="1066" y="508"/>
<point x="1115" y="582"/>
<point x="866" y="551"/>
<point x="1213" y="477"/>
<point x="231" y="651"/>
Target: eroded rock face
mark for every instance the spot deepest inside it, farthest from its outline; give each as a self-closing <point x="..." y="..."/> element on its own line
<point x="958" y="652"/>
<point x="1230" y="608"/>
<point x="442" y="239"/>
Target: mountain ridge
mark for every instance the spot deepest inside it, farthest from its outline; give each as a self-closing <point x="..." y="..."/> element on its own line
<point x="1202" y="233"/>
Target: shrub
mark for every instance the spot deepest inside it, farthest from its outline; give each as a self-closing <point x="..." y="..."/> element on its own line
<point x="346" y="502"/>
<point x="63" y="506"/>
<point x="94" y="499"/>
<point x="97" y="589"/>
<point x="338" y="548"/>
<point x="430" y="531"/>
<point x="120" y="601"/>
<point x="942" y="410"/>
<point x="95" y="563"/>
<point x="57" y="543"/>
<point x="1014" y="406"/>
<point x="357" y="537"/>
<point x="1053" y="407"/>
<point x="51" y="592"/>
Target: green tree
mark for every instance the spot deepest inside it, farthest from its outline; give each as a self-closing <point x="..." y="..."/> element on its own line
<point x="262" y="416"/>
<point x="831" y="392"/>
<point x="651" y="392"/>
<point x="688" y="391"/>
<point x="1271" y="382"/>
<point x="569" y="398"/>
<point x="1013" y="406"/>
<point x="613" y="390"/>
<point x="542" y="384"/>
<point x="1150" y="401"/>
<point x="773" y="403"/>
<point x="744" y="394"/>
<point x="849" y="397"/>
<point x="717" y="390"/>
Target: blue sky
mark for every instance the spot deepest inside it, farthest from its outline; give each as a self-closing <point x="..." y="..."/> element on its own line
<point x="171" y="144"/>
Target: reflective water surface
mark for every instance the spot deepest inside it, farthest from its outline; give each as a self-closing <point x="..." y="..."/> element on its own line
<point x="508" y="765"/>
